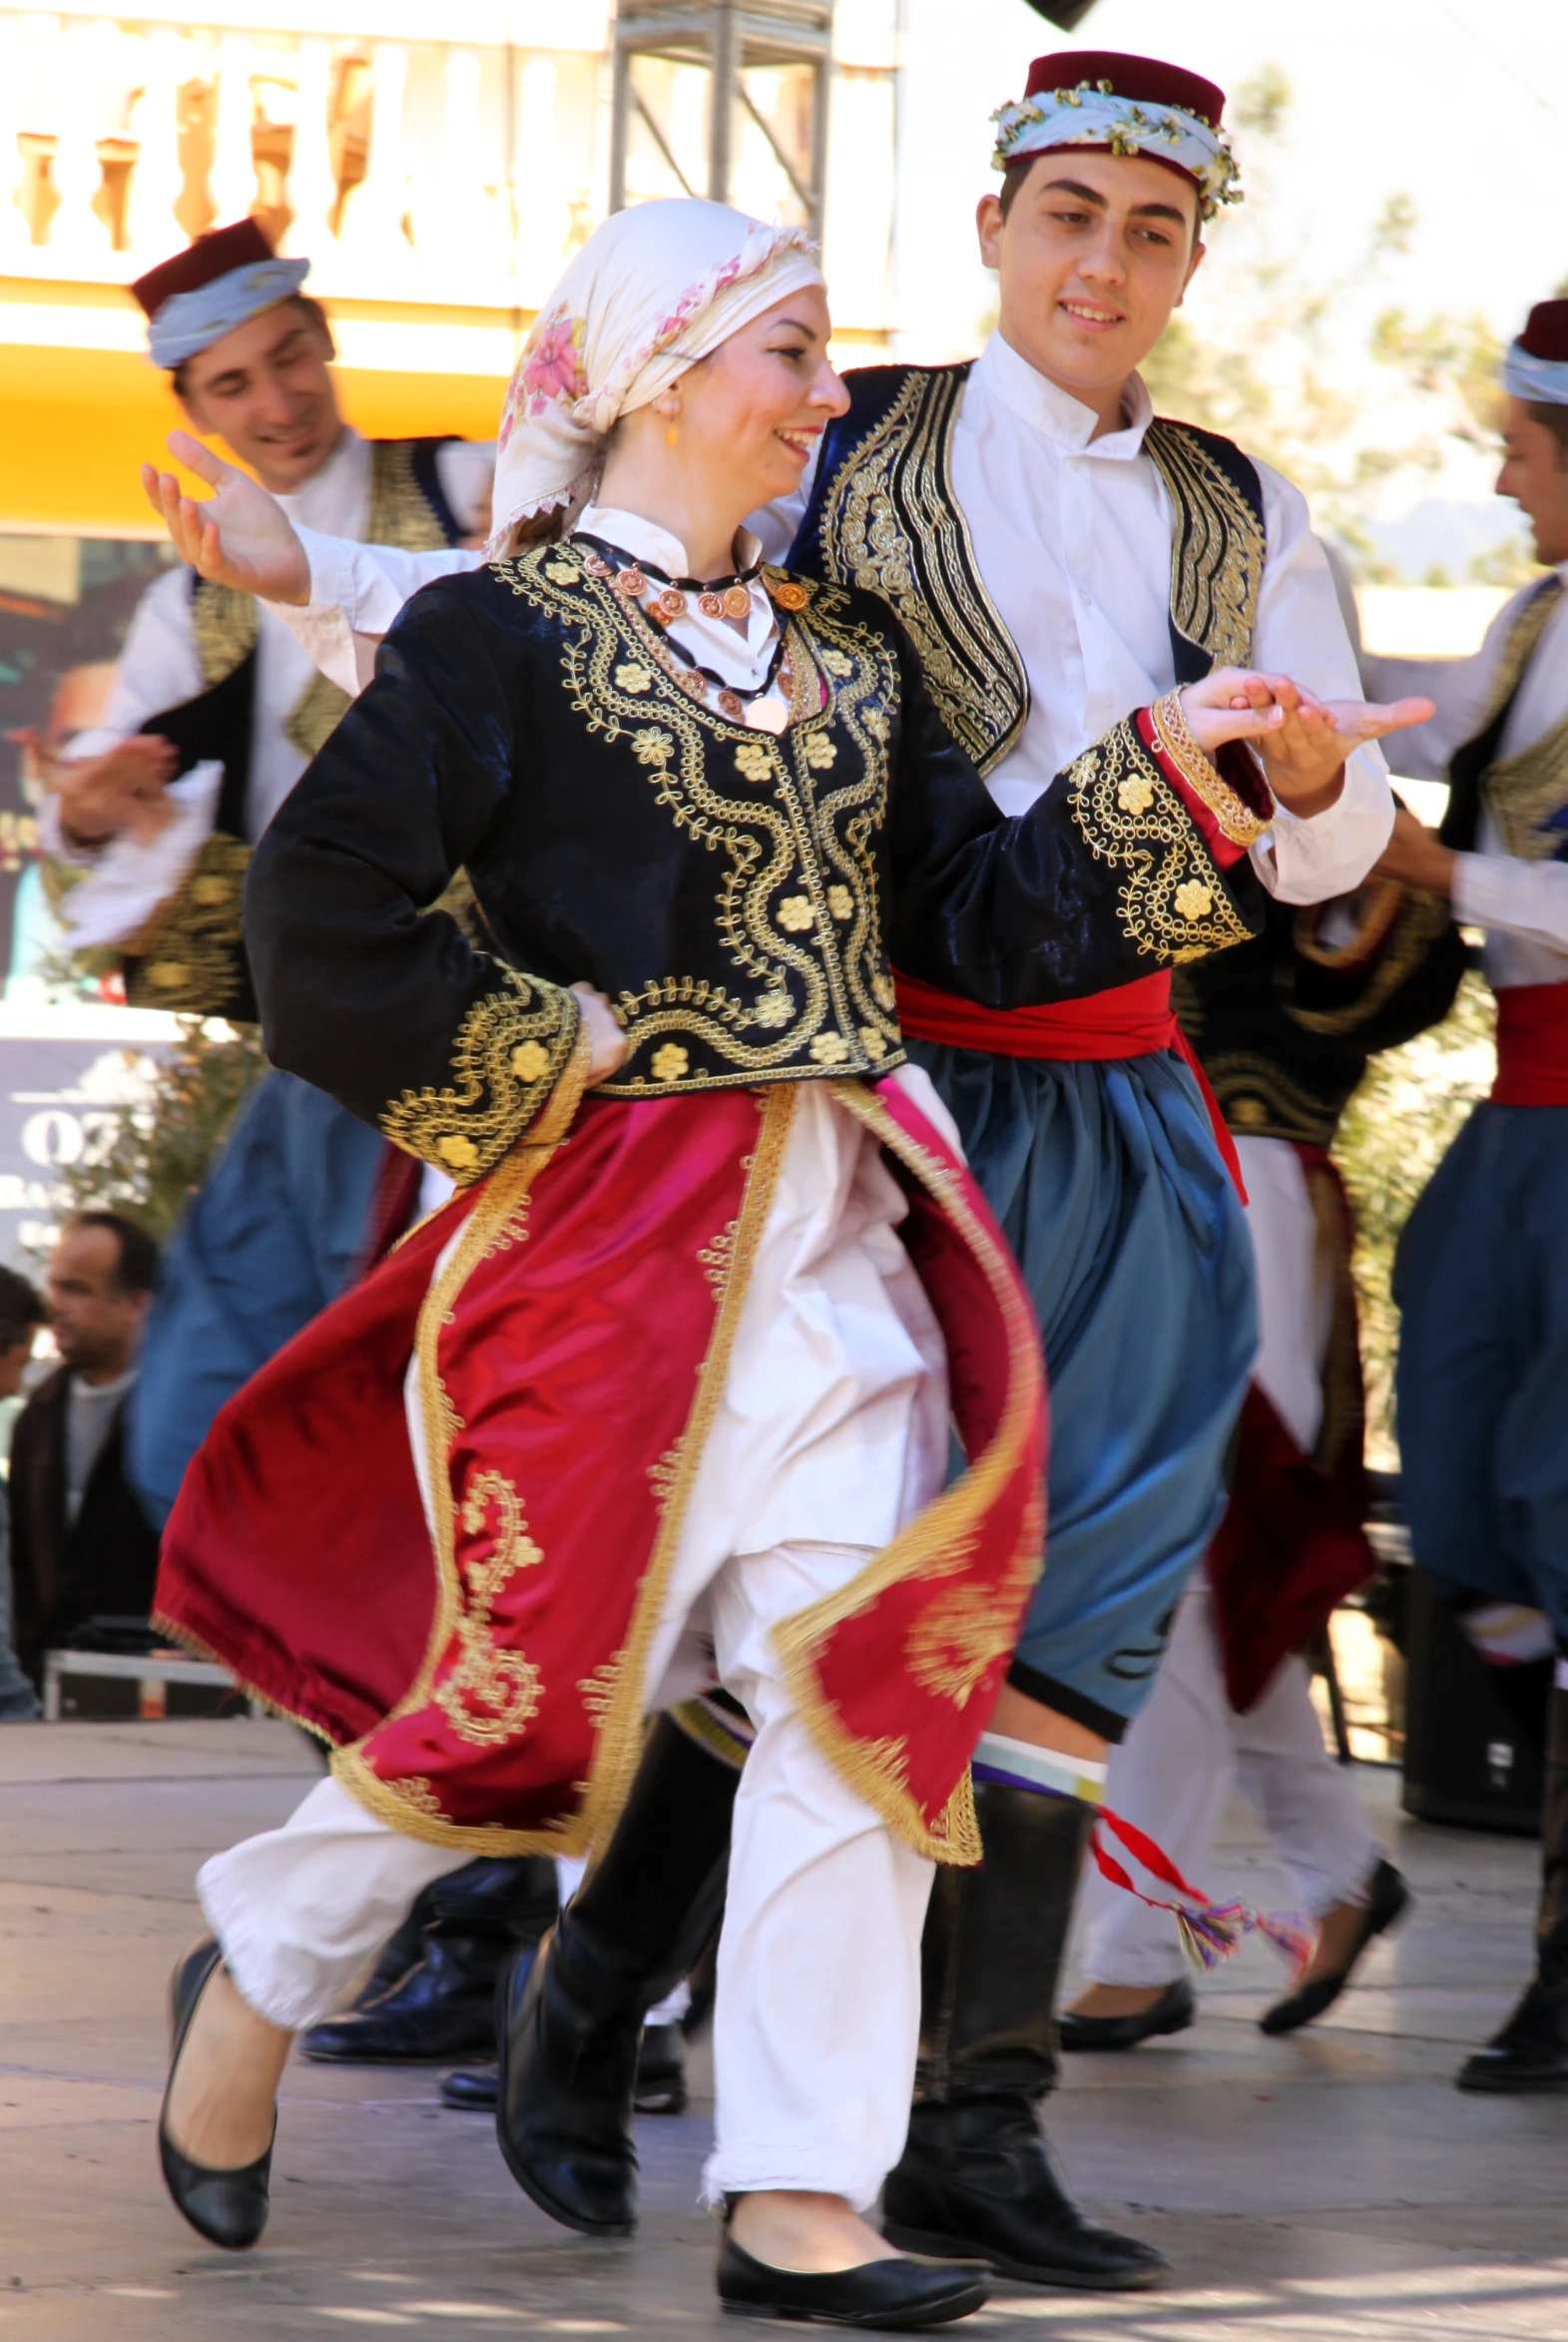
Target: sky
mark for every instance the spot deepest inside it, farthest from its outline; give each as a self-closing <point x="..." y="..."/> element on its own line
<point x="1459" y="105"/>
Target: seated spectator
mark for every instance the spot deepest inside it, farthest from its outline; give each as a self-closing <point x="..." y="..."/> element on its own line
<point x="21" y="1315"/>
<point x="81" y="1547"/>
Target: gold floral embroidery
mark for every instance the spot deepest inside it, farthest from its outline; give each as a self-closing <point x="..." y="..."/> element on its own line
<point x="669" y="1063"/>
<point x="795" y="914"/>
<point x="816" y="827"/>
<point x="872" y="1044"/>
<point x="829" y="1049"/>
<point x="190" y="956"/>
<point x="1135" y="795"/>
<point x="962" y="1635"/>
<point x="1173" y="903"/>
<point x="820" y="752"/>
<point x="509" y="1053"/>
<point x="491" y="1695"/>
<point x="754" y="761"/>
<point x="414" y="1791"/>
<point x="890" y="522"/>
<point x="840" y="901"/>
<point x="598" y="1689"/>
<point x="1523" y="792"/>
<point x="632" y="677"/>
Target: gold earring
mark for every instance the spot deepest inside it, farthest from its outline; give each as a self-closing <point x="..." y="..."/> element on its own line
<point x="671" y="436"/>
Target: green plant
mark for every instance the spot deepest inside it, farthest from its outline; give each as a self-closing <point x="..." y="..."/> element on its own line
<point x="1401" y="1124"/>
<point x="150" y="1156"/>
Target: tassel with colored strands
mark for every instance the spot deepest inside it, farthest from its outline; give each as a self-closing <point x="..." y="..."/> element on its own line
<point x="1210" y="1932"/>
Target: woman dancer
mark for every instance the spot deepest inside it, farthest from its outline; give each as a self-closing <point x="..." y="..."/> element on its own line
<point x="664" y="1388"/>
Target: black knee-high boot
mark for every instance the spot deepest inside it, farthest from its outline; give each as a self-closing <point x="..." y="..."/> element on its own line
<point x="1531" y="2051"/>
<point x="975" y="2178"/>
<point x="569" y="2023"/>
<point x="443" y="2004"/>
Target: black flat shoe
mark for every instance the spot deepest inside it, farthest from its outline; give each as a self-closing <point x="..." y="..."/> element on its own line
<point x="227" y="2207"/>
<point x="471" y="2090"/>
<point x="1531" y="2051"/>
<point x="1174" y="2012"/>
<point x="1387" y="1903"/>
<point x="894" y="2296"/>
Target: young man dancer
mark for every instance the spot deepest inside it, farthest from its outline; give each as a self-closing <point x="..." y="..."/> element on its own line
<point x="1054" y="557"/>
<point x="1482" y="1272"/>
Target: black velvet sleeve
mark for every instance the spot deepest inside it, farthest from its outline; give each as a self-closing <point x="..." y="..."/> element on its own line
<point x="366" y="989"/>
<point x="1106" y="878"/>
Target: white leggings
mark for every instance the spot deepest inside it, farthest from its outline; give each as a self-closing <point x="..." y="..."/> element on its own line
<point x="819" y="1998"/>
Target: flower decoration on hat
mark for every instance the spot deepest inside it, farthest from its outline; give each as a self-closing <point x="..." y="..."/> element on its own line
<point x="1123" y="106"/>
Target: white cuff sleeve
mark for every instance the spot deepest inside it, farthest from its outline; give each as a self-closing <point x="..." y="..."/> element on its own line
<point x="356" y="592"/>
<point x="1512" y="898"/>
<point x="128" y="881"/>
<point x="1313" y="860"/>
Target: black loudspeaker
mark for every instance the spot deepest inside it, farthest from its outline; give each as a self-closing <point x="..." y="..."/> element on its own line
<point x="1466" y="1761"/>
<point x="1066" y="13"/>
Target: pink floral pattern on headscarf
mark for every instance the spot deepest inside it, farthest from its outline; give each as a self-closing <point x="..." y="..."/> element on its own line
<point x="653" y="289"/>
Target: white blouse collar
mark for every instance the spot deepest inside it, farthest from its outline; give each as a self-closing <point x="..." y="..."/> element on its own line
<point x="645" y="540"/>
<point x="1054" y="413"/>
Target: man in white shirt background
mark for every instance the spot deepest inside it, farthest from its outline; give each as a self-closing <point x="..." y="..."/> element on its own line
<point x="1483" y="1273"/>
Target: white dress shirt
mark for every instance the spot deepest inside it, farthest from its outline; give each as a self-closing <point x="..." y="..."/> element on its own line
<point x="160" y="667"/>
<point x="1524" y="905"/>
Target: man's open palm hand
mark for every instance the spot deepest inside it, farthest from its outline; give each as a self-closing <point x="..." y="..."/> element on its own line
<point x="240" y="536"/>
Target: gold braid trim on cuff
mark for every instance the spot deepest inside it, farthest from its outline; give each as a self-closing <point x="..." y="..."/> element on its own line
<point x="511" y="1050"/>
<point x="1237" y="821"/>
<point x="1171" y="902"/>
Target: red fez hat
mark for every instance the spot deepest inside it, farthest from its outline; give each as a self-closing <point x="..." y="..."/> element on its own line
<point x="1546" y="334"/>
<point x="1142" y="79"/>
<point x="216" y="253"/>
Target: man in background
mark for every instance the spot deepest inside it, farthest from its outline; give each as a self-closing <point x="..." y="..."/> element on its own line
<point x="81" y="1545"/>
<point x="21" y="1315"/>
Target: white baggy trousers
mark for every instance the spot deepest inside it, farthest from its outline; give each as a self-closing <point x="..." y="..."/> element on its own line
<point x="1187" y="1744"/>
<point x="832" y="1431"/>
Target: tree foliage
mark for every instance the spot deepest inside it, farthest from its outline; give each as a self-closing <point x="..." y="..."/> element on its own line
<point x="150" y="1155"/>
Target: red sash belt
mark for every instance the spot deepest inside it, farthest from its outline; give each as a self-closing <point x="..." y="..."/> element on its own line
<point x="1533" y="1046"/>
<point x="1135" y="1021"/>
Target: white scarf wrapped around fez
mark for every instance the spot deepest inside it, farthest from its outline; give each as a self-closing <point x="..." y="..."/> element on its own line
<point x="653" y="289"/>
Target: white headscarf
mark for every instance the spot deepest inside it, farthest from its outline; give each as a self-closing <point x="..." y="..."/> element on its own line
<point x="653" y="289"/>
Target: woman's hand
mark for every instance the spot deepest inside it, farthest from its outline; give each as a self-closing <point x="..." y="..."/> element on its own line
<point x="240" y="536"/>
<point x="605" y="1039"/>
<point x="1303" y="742"/>
<point x="1414" y="856"/>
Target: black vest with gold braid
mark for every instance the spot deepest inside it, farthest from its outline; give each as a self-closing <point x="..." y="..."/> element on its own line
<point x="190" y="955"/>
<point x="882" y="515"/>
<point x="1283" y="1026"/>
<point x="1524" y="796"/>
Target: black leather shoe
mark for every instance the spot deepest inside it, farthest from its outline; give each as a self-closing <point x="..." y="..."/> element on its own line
<point x="975" y="2182"/>
<point x="1387" y="1903"/>
<point x="1174" y="2012"/>
<point x="890" y="2295"/>
<point x="227" y="2207"/>
<point x="1531" y="2051"/>
<point x="563" y="2109"/>
<point x="660" y="2078"/>
<point x="661" y="2071"/>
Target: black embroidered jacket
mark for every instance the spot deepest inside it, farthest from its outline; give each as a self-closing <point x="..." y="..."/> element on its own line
<point x="739" y="897"/>
<point x="190" y="957"/>
<point x="1285" y="1024"/>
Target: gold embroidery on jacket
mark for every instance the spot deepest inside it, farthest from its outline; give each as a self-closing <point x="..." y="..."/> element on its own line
<point x="1217" y="547"/>
<point x="1259" y="1100"/>
<point x="1173" y="902"/>
<point x="1524" y="793"/>
<point x="792" y="829"/>
<point x="188" y="956"/>
<point x="1415" y="922"/>
<point x="1237" y="821"/>
<point x="891" y="523"/>
<point x="510" y="1051"/>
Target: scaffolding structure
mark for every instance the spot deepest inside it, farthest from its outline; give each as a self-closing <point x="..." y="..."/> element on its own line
<point x="728" y="38"/>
